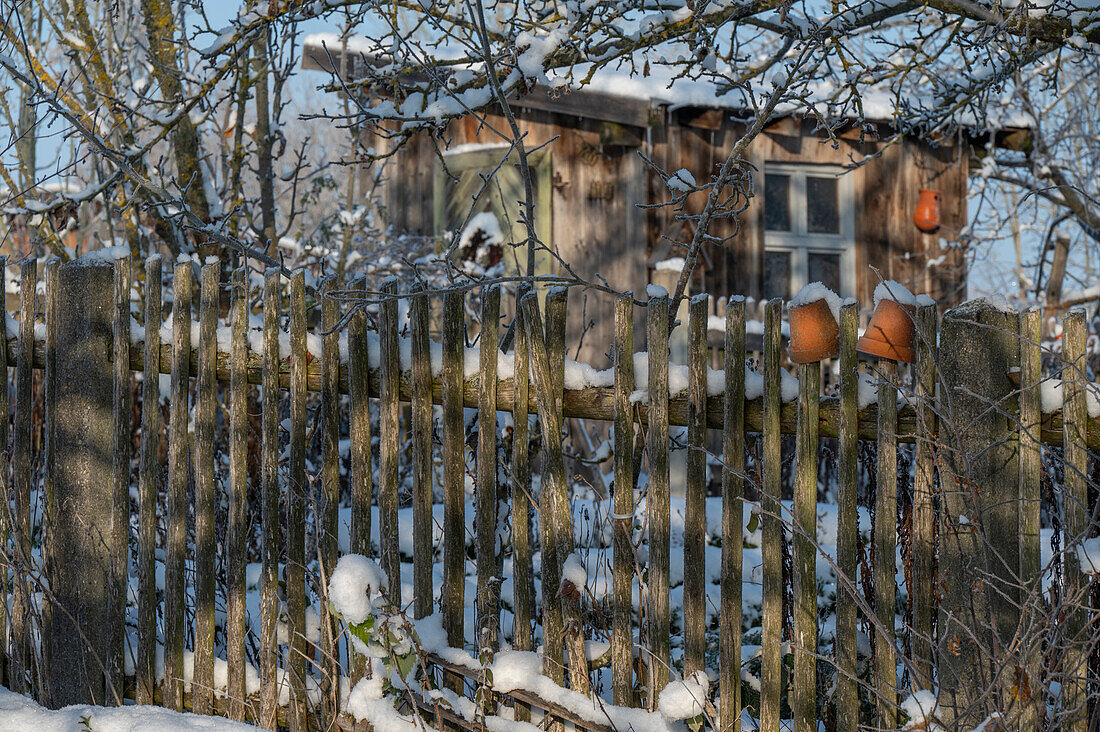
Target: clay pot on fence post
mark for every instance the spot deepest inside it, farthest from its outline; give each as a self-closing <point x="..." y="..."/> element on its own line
<point x="927" y="214"/>
<point x="815" y="334"/>
<point x="891" y="334"/>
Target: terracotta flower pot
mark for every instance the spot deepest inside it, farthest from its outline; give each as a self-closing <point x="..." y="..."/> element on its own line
<point x="815" y="334"/>
<point x="891" y="333"/>
<point x="927" y="214"/>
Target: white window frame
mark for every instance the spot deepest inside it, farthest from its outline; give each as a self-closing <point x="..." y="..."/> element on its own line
<point x="799" y="242"/>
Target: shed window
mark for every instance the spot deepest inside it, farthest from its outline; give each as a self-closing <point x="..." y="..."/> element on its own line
<point x="809" y="229"/>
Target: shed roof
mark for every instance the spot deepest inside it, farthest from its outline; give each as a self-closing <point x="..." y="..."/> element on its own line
<point x="643" y="98"/>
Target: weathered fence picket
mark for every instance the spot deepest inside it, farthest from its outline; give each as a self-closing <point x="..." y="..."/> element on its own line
<point x="885" y="546"/>
<point x="845" y="641"/>
<point x="175" y="521"/>
<point x="237" y="520"/>
<point x="1075" y="507"/>
<point x="298" y="493"/>
<point x="733" y="492"/>
<point x="202" y="687"/>
<point x="294" y="492"/>
<point x="622" y="638"/>
<point x="695" y="520"/>
<point x="771" y="666"/>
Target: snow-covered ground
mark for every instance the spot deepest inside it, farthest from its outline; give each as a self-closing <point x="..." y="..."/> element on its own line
<point x="21" y="714"/>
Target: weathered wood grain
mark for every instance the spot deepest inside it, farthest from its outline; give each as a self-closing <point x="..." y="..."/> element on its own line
<point x="695" y="519"/>
<point x="421" y="453"/>
<point x="269" y="501"/>
<point x="488" y="557"/>
<point x="622" y="634"/>
<point x="885" y="541"/>
<point x="804" y="551"/>
<point x="237" y="524"/>
<point x="658" y="501"/>
<point x="206" y="405"/>
<point x="846" y="644"/>
<point x="298" y="494"/>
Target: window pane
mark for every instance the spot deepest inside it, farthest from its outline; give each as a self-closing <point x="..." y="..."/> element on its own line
<point x="822" y="207"/>
<point x="777" y="274"/>
<point x="825" y="268"/>
<point x="777" y="202"/>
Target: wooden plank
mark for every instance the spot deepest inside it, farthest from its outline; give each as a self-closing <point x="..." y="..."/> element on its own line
<point x="923" y="536"/>
<point x="845" y="643"/>
<point x="804" y="551"/>
<point x="1075" y="509"/>
<point x="21" y="477"/>
<point x="622" y="634"/>
<point x="206" y="405"/>
<point x="772" y="540"/>
<point x="423" y="549"/>
<point x="120" y="495"/>
<point x="488" y="556"/>
<point x="49" y="458"/>
<point x="599" y="403"/>
<point x="298" y="498"/>
<point x="885" y="541"/>
<point x="523" y="568"/>
<point x="695" y="519"/>
<point x="237" y="526"/>
<point x="454" y="492"/>
<point x="390" y="440"/>
<point x="1031" y="374"/>
<point x="560" y="510"/>
<point x="330" y="488"/>
<point x="175" y="581"/>
<point x="658" y="507"/>
<point x="552" y="623"/>
<point x="148" y="482"/>
<point x="269" y="501"/>
<point x="733" y="484"/>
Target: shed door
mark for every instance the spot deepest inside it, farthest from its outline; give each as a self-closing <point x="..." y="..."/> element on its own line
<point x="460" y="188"/>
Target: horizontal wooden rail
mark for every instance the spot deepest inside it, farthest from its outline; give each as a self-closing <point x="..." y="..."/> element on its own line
<point x="593" y="403"/>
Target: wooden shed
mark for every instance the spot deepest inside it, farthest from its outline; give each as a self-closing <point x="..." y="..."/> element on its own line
<point x="813" y="215"/>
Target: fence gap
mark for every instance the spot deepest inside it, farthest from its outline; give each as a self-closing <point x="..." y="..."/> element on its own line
<point x="148" y="485"/>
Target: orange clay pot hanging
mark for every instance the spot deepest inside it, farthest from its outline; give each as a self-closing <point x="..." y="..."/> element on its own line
<point x="815" y="334"/>
<point x="891" y="332"/>
<point x="927" y="214"/>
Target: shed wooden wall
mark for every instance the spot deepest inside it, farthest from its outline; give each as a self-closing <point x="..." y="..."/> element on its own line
<point x="598" y="229"/>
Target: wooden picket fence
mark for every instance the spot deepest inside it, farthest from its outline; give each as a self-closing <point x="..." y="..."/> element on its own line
<point x="222" y="382"/>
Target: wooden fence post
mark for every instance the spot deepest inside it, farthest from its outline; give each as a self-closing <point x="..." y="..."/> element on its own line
<point x="979" y="531"/>
<point x="84" y="477"/>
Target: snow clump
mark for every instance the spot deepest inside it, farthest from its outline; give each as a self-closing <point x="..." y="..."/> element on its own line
<point x="920" y="708"/>
<point x="815" y="291"/>
<point x="891" y="290"/>
<point x="354" y="587"/>
<point x="682" y="180"/>
<point x="684" y="699"/>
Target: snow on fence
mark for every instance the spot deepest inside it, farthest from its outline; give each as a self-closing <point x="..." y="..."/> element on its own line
<point x="88" y="554"/>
